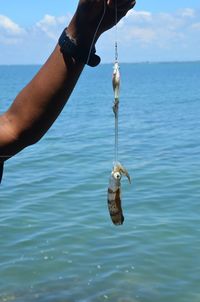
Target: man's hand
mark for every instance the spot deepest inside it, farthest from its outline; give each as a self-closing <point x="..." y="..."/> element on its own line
<point x="88" y="15"/>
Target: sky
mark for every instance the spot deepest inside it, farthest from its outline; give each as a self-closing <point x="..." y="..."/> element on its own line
<point x="154" y="31"/>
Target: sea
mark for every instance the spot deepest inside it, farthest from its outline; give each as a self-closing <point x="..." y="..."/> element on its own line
<point x="57" y="241"/>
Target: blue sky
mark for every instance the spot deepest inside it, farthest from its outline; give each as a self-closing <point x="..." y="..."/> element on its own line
<point x="155" y="31"/>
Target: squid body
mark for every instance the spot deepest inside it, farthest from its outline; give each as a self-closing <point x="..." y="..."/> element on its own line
<point x="114" y="193"/>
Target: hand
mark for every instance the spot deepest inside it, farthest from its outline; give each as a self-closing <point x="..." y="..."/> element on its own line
<point x="88" y="15"/>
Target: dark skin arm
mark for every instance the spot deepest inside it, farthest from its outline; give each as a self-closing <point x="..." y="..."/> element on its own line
<point x="38" y="105"/>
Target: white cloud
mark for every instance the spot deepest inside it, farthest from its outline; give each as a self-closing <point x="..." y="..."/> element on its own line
<point x="138" y="16"/>
<point x="9" y="26"/>
<point x="52" y="25"/>
<point x="187" y="12"/>
<point x="143" y="35"/>
<point x="158" y="28"/>
<point x="196" y="26"/>
<point x="10" y="32"/>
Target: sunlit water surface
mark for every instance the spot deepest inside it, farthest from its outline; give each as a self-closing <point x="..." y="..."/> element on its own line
<point x="56" y="238"/>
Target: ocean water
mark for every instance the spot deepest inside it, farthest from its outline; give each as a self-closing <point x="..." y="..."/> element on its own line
<point x="57" y="242"/>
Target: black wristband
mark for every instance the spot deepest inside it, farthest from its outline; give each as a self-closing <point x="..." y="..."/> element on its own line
<point x="68" y="46"/>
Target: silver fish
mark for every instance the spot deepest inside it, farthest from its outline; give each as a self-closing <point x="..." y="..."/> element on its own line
<point x="116" y="86"/>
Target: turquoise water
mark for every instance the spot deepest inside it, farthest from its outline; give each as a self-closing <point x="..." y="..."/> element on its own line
<point x="56" y="238"/>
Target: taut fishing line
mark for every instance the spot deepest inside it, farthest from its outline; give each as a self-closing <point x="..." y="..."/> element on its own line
<point x="116" y="112"/>
<point x="95" y="34"/>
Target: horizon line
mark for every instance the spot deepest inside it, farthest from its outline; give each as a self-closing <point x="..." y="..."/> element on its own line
<point x="108" y="63"/>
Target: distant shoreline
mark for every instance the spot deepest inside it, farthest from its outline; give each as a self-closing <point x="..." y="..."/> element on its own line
<point x="108" y="63"/>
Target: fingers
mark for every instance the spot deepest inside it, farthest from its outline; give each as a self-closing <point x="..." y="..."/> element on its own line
<point x="125" y="4"/>
<point x="121" y="4"/>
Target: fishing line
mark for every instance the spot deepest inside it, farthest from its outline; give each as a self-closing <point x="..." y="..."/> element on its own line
<point x="116" y="32"/>
<point x="116" y="61"/>
<point x="95" y="34"/>
<point x="116" y="113"/>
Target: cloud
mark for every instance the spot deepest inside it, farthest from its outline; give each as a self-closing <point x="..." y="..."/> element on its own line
<point x="51" y="25"/>
<point x="9" y="26"/>
<point x="158" y="28"/>
<point x="138" y="16"/>
<point x="30" y="45"/>
<point x="188" y="12"/>
<point x="196" y="26"/>
<point x="10" y="32"/>
<point x="142" y="35"/>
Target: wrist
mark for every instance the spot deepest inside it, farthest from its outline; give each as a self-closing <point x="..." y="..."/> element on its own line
<point x="71" y="46"/>
<point x="84" y="36"/>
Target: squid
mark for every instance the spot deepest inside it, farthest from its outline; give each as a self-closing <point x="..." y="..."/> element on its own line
<point x="114" y="193"/>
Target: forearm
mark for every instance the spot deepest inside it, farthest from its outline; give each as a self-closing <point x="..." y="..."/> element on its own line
<point x="39" y="103"/>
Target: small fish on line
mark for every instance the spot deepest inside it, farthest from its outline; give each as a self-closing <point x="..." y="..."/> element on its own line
<point x="116" y="87"/>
